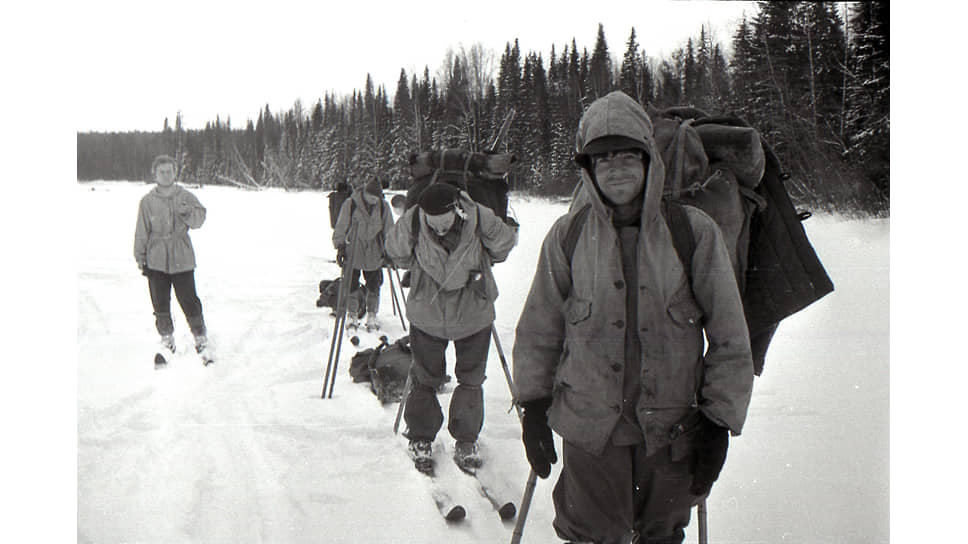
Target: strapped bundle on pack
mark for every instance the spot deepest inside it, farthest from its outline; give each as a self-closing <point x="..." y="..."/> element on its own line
<point x="480" y="174"/>
<point x="722" y="166"/>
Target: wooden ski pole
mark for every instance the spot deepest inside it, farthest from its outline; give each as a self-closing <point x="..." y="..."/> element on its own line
<point x="343" y="304"/>
<point x="532" y="476"/>
<point x="396" y="302"/>
<point x="403" y="399"/>
<point x="703" y="527"/>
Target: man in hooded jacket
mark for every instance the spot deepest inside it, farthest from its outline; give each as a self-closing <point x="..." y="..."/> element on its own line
<point x="609" y="347"/>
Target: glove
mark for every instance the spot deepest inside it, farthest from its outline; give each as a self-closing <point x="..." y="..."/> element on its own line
<point x="539" y="444"/>
<point x="143" y="267"/>
<point x="340" y="254"/>
<point x="710" y="456"/>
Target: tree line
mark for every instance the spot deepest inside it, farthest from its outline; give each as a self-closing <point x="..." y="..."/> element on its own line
<point x="814" y="85"/>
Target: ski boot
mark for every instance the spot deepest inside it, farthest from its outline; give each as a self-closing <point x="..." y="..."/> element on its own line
<point x="352" y="322"/>
<point x="372" y="325"/>
<point x="467" y="456"/>
<point x="421" y="452"/>
<point x="165" y="351"/>
<point x="202" y="349"/>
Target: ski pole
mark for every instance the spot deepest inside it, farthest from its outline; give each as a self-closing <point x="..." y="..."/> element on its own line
<point x="393" y="293"/>
<point x="525" y="507"/>
<point x="532" y="476"/>
<point x="703" y="527"/>
<point x="343" y="304"/>
<point x="403" y="399"/>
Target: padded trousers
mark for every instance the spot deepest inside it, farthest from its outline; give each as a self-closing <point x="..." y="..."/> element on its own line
<point x="422" y="412"/>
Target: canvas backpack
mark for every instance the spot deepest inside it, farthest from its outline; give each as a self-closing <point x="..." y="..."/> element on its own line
<point x="329" y="296"/>
<point x="385" y="367"/>
<point x="480" y="174"/>
<point x="722" y="166"/>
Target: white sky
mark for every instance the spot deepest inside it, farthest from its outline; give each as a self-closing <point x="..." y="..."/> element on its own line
<point x="135" y="65"/>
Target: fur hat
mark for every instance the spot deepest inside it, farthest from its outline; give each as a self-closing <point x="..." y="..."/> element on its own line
<point x="438" y="198"/>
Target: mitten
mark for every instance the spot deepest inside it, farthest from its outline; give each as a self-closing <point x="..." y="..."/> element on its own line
<point x="710" y="455"/>
<point x="340" y="254"/>
<point x="539" y="444"/>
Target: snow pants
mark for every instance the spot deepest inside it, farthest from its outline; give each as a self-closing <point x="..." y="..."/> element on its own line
<point x="373" y="279"/>
<point x="611" y="498"/>
<point x="159" y="287"/>
<point x="422" y="412"/>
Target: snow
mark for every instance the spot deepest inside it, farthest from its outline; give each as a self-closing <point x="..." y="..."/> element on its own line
<point x="247" y="451"/>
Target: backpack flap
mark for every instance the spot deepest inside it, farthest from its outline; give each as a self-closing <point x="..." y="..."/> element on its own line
<point x="737" y="149"/>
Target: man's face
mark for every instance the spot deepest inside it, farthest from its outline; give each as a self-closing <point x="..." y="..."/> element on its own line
<point x="440" y="223"/>
<point x="620" y="174"/>
<point x="165" y="174"/>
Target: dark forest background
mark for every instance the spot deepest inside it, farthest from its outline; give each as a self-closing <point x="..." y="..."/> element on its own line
<point x="814" y="85"/>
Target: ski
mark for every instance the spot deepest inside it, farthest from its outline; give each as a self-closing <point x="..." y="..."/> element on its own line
<point x="505" y="509"/>
<point x="450" y="510"/>
<point x="160" y="361"/>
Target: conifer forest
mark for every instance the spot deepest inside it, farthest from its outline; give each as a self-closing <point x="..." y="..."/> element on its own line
<point x="814" y="85"/>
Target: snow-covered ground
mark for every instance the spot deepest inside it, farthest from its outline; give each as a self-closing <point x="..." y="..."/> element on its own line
<point x="246" y="451"/>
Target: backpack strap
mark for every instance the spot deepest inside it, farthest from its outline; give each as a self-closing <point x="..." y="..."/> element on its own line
<point x="570" y="240"/>
<point x="683" y="238"/>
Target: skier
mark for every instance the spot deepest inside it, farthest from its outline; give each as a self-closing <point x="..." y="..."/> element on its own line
<point x="448" y="242"/>
<point x="368" y="215"/>
<point x="163" y="252"/>
<point x="336" y="199"/>
<point x="609" y="347"/>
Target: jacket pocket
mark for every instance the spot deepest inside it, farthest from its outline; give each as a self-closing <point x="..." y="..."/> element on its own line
<point x="577" y="309"/>
<point x="686" y="312"/>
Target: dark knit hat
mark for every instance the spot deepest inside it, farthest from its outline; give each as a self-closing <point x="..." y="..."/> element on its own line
<point x="374" y="188"/>
<point x="438" y="198"/>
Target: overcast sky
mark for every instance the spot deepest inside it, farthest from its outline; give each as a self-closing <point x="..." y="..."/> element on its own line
<point x="137" y="65"/>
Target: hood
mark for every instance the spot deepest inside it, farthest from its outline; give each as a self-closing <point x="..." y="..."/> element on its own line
<point x="617" y="114"/>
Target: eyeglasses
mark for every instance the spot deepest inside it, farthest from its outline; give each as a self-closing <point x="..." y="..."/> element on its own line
<point x="622" y="158"/>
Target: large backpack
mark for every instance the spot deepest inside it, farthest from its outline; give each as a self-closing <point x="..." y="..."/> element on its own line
<point x="480" y="174"/>
<point x="386" y="369"/>
<point x="722" y="166"/>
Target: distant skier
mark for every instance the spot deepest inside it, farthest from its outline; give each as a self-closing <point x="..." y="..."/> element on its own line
<point x="164" y="254"/>
<point x="609" y="351"/>
<point x="448" y="242"/>
<point x="368" y="215"/>
<point x="336" y="199"/>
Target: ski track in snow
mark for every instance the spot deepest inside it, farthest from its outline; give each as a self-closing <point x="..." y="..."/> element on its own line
<point x="247" y="451"/>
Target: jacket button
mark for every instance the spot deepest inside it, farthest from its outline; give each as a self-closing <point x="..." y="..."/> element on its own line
<point x="616" y="367"/>
<point x="619" y="284"/>
<point x="619" y="324"/>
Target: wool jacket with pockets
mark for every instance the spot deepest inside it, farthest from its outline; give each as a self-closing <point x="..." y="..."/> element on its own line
<point x="371" y="228"/>
<point x="452" y="295"/>
<point x="569" y="342"/>
<point x="161" y="240"/>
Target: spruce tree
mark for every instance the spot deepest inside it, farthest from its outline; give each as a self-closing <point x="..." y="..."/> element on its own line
<point x="631" y="69"/>
<point x="600" y="67"/>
